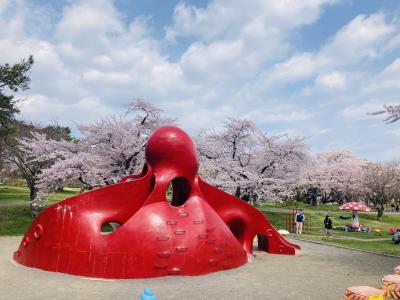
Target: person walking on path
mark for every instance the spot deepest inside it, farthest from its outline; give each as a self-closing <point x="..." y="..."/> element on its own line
<point x="299" y="220"/>
<point x="328" y="225"/>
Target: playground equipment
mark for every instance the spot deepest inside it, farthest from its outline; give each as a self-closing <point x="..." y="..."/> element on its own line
<point x="355" y="207"/>
<point x="391" y="286"/>
<point x="200" y="230"/>
<point x="396" y="270"/>
<point x="363" y="293"/>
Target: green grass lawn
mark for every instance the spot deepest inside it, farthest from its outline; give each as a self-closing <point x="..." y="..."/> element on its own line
<point x="14" y="195"/>
<point x="291" y="205"/>
<point x="384" y="247"/>
<point x="15" y="214"/>
<point x="14" y="220"/>
<point x="359" y="240"/>
<point x="19" y="195"/>
<point x="367" y="219"/>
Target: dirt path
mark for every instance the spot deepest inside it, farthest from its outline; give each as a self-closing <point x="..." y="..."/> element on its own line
<point x="320" y="272"/>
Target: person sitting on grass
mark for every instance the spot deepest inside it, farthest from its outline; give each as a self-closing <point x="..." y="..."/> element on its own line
<point x="328" y="225"/>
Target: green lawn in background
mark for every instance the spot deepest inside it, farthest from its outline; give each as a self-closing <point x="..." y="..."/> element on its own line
<point x="384" y="247"/>
<point x="358" y="240"/>
<point x="14" y="195"/>
<point x="14" y="220"/>
<point x="294" y="205"/>
<point x="19" y="195"/>
<point x="15" y="214"/>
<point x="61" y="195"/>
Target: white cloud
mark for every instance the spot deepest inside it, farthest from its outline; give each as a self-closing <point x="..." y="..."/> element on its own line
<point x="362" y="111"/>
<point x="217" y="61"/>
<point x="331" y="81"/>
<point x="320" y="131"/>
<point x="279" y="114"/>
<point x="387" y="80"/>
<point x="69" y="51"/>
<point x="395" y="132"/>
<point x="235" y="39"/>
<point x="89" y="22"/>
<point x="223" y="18"/>
<point x="3" y="5"/>
<point x="40" y="107"/>
<point x="365" y="37"/>
<point x="298" y="67"/>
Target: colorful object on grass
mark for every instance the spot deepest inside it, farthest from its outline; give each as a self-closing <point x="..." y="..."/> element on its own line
<point x="350" y="227"/>
<point x="355" y="207"/>
<point x="133" y="230"/>
<point x="147" y="295"/>
<point x="393" y="230"/>
<point x="377" y="232"/>
<point x="391" y="286"/>
<point x="363" y="293"/>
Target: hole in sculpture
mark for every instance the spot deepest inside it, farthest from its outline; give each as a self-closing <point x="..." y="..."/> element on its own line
<point x="237" y="227"/>
<point x="178" y="191"/>
<point x="109" y="227"/>
<point x="262" y="242"/>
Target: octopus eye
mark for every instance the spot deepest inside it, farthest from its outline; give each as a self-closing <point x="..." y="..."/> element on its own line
<point x="178" y="191"/>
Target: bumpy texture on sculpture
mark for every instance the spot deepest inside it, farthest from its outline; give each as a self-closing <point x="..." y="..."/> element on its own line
<point x="202" y="230"/>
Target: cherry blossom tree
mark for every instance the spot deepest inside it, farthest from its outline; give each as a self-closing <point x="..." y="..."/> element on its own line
<point x="335" y="175"/>
<point x="280" y="161"/>
<point x="18" y="162"/>
<point x="392" y="112"/>
<point x="381" y="182"/>
<point x="107" y="151"/>
<point x="225" y="156"/>
<point x="250" y="164"/>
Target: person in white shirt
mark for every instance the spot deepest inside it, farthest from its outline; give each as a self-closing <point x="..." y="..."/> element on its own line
<point x="299" y="220"/>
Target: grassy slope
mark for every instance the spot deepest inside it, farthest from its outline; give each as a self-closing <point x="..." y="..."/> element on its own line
<point x="16" y="220"/>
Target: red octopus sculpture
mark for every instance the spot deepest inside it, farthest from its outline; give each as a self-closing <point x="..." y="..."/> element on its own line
<point x="201" y="230"/>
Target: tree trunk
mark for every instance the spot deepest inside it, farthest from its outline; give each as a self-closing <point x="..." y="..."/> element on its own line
<point x="33" y="192"/>
<point x="380" y="213"/>
<point x="237" y="192"/>
<point x="86" y="186"/>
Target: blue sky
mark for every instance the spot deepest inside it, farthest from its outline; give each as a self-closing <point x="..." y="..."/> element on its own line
<point x="311" y="68"/>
